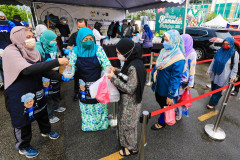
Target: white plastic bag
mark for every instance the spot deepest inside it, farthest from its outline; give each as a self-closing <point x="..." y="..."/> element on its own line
<point x="68" y="72"/>
<point x="113" y="91"/>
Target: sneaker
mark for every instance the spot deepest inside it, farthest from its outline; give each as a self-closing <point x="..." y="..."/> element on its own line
<point x="54" y="119"/>
<point x="234" y="93"/>
<point x="75" y="98"/>
<point x="60" y="109"/>
<point x="51" y="135"/>
<point x="178" y="118"/>
<point x="29" y="152"/>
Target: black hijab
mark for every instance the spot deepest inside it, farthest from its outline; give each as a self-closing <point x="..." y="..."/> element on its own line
<point x="133" y="54"/>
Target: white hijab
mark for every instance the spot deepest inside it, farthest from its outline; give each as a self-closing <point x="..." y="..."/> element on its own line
<point x="39" y="30"/>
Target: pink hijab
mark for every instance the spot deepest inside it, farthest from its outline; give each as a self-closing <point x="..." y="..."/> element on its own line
<point x="13" y="61"/>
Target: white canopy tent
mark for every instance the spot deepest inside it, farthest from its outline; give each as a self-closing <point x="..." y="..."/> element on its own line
<point x="217" y="22"/>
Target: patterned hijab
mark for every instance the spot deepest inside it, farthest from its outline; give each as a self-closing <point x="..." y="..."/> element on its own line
<point x="43" y="46"/>
<point x="222" y="56"/>
<point x="79" y="49"/>
<point x="176" y="53"/>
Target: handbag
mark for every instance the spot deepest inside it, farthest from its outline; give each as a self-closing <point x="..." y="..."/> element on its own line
<point x="102" y="93"/>
<point x="185" y="97"/>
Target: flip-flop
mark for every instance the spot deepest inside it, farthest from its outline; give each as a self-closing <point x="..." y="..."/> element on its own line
<point x="210" y="107"/>
<point x="130" y="151"/>
<point x="157" y="128"/>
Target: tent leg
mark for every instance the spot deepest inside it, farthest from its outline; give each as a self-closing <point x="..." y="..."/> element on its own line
<point x="185" y="17"/>
<point x="33" y="15"/>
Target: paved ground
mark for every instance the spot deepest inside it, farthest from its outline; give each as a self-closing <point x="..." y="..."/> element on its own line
<point x="185" y="140"/>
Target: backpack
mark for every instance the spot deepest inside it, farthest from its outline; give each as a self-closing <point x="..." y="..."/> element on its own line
<point x="126" y="31"/>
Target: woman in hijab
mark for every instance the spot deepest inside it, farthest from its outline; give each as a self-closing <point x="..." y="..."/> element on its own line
<point x="39" y="30"/>
<point x="48" y="49"/>
<point x="89" y="59"/>
<point x="168" y="72"/>
<point x="130" y="81"/>
<point x="24" y="95"/>
<point x="221" y="71"/>
<point x="187" y="80"/>
<point x="147" y="42"/>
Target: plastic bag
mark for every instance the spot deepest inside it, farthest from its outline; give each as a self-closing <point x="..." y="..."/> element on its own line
<point x="68" y="72"/>
<point x="185" y="97"/>
<point x="170" y="117"/>
<point x="102" y="93"/>
<point x="114" y="94"/>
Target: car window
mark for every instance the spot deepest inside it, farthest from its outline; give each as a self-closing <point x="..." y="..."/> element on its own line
<point x="222" y="34"/>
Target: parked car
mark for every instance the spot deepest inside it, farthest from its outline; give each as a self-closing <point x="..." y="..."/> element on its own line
<point x="206" y="41"/>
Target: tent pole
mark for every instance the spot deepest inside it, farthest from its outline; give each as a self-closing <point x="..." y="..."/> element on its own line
<point x="224" y="8"/>
<point x="185" y="17"/>
<point x="33" y="14"/>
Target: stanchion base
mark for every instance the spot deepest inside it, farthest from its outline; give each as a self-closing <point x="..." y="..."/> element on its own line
<point x="113" y="122"/>
<point x="218" y="135"/>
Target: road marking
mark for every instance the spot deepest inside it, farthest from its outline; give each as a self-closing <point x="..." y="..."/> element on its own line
<point x="208" y="115"/>
<point x="114" y="156"/>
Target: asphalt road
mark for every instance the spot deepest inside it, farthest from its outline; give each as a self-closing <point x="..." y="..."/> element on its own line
<point x="185" y="140"/>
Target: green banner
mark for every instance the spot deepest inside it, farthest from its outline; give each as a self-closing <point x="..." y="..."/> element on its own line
<point x="169" y="18"/>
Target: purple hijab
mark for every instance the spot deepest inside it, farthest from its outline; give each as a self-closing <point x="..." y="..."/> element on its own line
<point x="188" y="44"/>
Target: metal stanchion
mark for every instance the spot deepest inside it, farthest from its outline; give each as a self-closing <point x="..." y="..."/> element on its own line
<point x="113" y="121"/>
<point x="149" y="77"/>
<point x="214" y="131"/>
<point x="144" y="120"/>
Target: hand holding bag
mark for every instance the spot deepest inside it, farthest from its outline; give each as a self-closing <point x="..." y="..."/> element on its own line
<point x="185" y="97"/>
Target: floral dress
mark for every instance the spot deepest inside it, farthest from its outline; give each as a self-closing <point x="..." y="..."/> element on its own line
<point x="188" y="76"/>
<point x="94" y="116"/>
<point x="129" y="109"/>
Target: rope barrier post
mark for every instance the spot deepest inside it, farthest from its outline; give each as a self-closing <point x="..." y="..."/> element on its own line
<point x="113" y="121"/>
<point x="214" y="131"/>
<point x="144" y="120"/>
<point x="149" y="73"/>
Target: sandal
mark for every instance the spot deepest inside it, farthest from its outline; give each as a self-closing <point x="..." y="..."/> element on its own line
<point x="157" y="127"/>
<point x="210" y="107"/>
<point x="131" y="152"/>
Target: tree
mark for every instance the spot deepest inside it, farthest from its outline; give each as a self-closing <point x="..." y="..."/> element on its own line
<point x="10" y="11"/>
<point x="211" y="16"/>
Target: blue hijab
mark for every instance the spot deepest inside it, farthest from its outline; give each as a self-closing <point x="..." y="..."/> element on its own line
<point x="222" y="56"/>
<point x="81" y="51"/>
<point x="148" y="31"/>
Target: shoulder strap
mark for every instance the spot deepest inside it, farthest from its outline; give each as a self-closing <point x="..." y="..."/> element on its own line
<point x="18" y="49"/>
<point x="232" y="61"/>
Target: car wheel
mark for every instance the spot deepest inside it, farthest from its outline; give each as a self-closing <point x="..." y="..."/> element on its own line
<point x="200" y="53"/>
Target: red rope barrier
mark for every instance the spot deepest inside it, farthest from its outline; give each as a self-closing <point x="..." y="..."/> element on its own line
<point x="157" y="112"/>
<point x="208" y="60"/>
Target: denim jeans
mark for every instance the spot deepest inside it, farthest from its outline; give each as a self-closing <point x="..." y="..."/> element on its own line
<point x="215" y="97"/>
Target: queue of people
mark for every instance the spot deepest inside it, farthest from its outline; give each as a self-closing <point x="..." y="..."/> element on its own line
<point x="32" y="80"/>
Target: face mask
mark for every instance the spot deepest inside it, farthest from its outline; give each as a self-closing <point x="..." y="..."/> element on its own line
<point x="53" y="43"/>
<point x="121" y="57"/>
<point x="167" y="45"/>
<point x="226" y="47"/>
<point x="64" y="22"/>
<point x="88" y="44"/>
<point x="30" y="43"/>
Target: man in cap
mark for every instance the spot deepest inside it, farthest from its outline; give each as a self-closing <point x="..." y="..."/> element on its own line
<point x="17" y="20"/>
<point x="28" y="100"/>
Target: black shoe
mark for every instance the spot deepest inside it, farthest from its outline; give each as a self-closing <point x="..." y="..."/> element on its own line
<point x="75" y="98"/>
<point x="234" y="93"/>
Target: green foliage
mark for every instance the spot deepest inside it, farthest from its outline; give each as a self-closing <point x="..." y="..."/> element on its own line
<point x="137" y="16"/>
<point x="10" y="11"/>
<point x="211" y="16"/>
